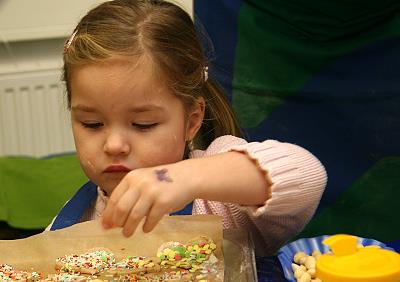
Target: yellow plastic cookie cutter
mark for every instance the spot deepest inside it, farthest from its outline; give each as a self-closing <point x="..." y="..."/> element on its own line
<point x="350" y="263"/>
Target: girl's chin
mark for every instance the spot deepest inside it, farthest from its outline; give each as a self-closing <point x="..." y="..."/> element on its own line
<point x="109" y="186"/>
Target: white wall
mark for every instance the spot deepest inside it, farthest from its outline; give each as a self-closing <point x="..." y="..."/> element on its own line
<point x="32" y="32"/>
<point x="32" y="35"/>
<point x="27" y="19"/>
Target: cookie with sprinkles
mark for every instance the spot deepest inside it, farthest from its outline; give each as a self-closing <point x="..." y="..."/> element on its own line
<point x="9" y="273"/>
<point x="188" y="256"/>
<point x="173" y="254"/>
<point x="135" y="264"/>
<point x="91" y="262"/>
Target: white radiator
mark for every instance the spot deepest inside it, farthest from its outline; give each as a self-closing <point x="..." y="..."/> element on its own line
<point x="34" y="120"/>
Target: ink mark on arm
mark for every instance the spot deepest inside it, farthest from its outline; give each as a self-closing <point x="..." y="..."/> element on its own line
<point x="162" y="175"/>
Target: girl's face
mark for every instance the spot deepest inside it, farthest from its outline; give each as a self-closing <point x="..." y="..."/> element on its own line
<point x="124" y="118"/>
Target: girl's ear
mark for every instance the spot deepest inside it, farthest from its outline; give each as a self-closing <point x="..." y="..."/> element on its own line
<point x="195" y="118"/>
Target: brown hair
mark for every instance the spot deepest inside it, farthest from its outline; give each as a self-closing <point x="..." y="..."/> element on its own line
<point x="164" y="31"/>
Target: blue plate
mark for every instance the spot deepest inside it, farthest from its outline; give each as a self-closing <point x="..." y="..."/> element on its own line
<point x="308" y="245"/>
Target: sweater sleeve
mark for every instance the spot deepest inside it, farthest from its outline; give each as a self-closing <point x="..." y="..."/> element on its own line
<point x="298" y="181"/>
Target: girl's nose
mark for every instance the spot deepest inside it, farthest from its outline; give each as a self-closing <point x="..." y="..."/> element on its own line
<point x="116" y="144"/>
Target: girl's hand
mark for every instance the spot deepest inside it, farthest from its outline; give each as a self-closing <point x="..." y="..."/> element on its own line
<point x="146" y="192"/>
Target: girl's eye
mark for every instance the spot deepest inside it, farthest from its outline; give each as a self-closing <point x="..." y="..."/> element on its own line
<point x="92" y="125"/>
<point x="144" y="126"/>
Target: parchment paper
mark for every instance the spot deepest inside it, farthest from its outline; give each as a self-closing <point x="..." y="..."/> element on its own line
<point x="39" y="252"/>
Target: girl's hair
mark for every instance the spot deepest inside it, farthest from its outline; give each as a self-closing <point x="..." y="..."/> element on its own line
<point x="166" y="33"/>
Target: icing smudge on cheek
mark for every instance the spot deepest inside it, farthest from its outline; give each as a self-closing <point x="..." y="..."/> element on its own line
<point x="91" y="166"/>
<point x="88" y="165"/>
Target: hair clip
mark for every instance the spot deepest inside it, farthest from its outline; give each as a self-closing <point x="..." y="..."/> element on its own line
<point x="205" y="71"/>
<point x="69" y="41"/>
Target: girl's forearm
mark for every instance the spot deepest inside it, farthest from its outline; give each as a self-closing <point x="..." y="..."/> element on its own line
<point x="230" y="177"/>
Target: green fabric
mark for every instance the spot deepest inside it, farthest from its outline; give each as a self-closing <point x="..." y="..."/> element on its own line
<point x="32" y="191"/>
<point x="345" y="53"/>
<point x="294" y="46"/>
<point x="376" y="194"/>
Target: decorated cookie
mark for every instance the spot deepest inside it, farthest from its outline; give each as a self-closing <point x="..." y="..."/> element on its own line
<point x="135" y="264"/>
<point x="9" y="273"/>
<point x="91" y="262"/>
<point x="188" y="256"/>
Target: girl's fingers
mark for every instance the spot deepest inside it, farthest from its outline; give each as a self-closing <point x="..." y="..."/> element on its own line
<point x="155" y="215"/>
<point x="124" y="207"/>
<point x="118" y="192"/>
<point x="140" y="210"/>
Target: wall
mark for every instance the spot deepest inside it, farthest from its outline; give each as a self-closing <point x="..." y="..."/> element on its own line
<point x="24" y="19"/>
<point x="33" y="120"/>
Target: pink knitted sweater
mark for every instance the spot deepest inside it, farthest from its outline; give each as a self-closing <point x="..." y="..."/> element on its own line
<point x="298" y="181"/>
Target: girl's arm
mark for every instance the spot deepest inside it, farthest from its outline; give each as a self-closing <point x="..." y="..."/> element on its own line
<point x="156" y="191"/>
<point x="266" y="178"/>
<point x="230" y="177"/>
<point x="295" y="182"/>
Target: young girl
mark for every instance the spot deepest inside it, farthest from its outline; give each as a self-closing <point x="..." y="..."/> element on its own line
<point x="154" y="133"/>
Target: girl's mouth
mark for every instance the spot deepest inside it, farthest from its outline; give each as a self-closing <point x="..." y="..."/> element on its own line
<point x="116" y="168"/>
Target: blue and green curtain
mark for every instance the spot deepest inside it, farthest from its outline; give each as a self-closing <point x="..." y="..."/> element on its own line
<point x="324" y="75"/>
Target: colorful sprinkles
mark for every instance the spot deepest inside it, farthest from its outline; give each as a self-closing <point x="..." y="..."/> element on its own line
<point x="90" y="263"/>
<point x="8" y="273"/>
<point x="194" y="261"/>
<point x="187" y="256"/>
<point x="134" y="262"/>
